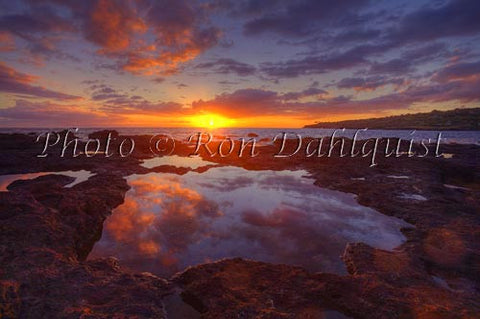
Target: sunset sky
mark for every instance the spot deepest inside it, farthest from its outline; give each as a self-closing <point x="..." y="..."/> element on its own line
<point x="234" y="63"/>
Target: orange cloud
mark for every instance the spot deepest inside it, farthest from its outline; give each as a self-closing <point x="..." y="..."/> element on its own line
<point x="174" y="33"/>
<point x="11" y="75"/>
<point x="113" y="26"/>
<point x="139" y="36"/>
<point x="7" y="42"/>
<point x="158" y="229"/>
<point x="177" y="48"/>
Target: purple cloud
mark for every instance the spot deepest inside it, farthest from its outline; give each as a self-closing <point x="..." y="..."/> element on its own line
<point x="226" y="66"/>
<point x="454" y="18"/>
<point x="43" y="114"/>
<point x="457" y="71"/>
<point x="12" y="81"/>
<point x="255" y="102"/>
<point x="140" y="36"/>
<point x="367" y="83"/>
<point x="300" y="18"/>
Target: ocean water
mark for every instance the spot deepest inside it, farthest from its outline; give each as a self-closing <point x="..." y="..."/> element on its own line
<point x="460" y="137"/>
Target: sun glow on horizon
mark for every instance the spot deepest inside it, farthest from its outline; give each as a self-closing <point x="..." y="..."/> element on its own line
<point x="211" y="121"/>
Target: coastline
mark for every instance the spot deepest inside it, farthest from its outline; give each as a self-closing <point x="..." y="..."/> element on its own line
<point x="444" y="243"/>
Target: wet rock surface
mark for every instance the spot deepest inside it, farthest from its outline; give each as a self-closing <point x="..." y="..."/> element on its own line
<point x="47" y="231"/>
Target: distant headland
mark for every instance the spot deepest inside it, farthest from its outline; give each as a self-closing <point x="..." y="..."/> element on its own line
<point x="458" y="119"/>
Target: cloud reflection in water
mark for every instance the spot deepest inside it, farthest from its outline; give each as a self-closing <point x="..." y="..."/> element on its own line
<point x="170" y="222"/>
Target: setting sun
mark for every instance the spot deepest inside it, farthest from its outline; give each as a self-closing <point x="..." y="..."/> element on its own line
<point x="210" y="121"/>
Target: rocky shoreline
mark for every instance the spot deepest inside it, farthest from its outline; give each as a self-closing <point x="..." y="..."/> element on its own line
<point x="47" y="231"/>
